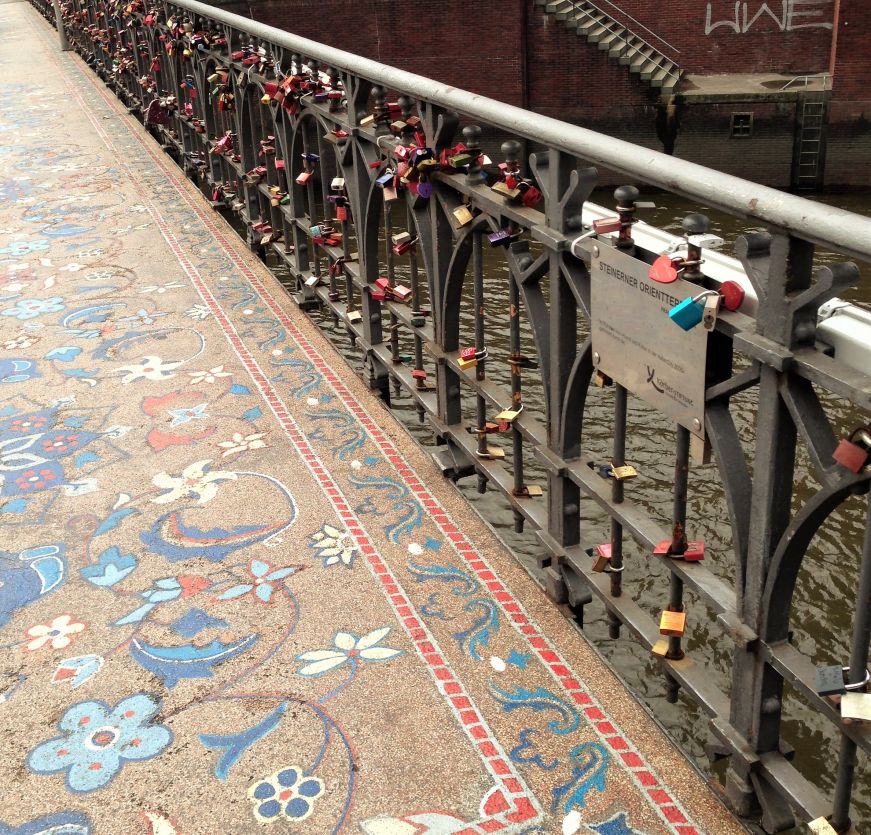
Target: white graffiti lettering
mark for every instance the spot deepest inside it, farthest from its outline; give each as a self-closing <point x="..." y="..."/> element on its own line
<point x="787" y="16"/>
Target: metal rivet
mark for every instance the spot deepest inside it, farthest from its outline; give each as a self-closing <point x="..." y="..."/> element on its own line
<point x="595" y="251"/>
<point x="596" y="357"/>
<point x="697" y="424"/>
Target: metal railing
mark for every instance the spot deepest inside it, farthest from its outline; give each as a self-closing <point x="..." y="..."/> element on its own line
<point x="286" y="132"/>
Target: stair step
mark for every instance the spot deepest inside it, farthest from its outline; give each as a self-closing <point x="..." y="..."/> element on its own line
<point x="586" y="24"/>
<point x="640" y="58"/>
<point x="616" y="38"/>
<point x="622" y="45"/>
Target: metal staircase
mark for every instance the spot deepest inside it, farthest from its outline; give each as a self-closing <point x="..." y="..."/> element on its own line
<point x="633" y="52"/>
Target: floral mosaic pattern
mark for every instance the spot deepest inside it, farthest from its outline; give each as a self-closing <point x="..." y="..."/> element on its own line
<point x="99" y="740"/>
<point x="156" y="430"/>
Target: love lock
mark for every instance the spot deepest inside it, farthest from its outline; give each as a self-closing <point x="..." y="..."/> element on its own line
<point x="853" y="452"/>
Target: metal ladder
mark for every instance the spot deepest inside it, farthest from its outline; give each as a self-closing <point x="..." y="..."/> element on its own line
<point x="810" y="141"/>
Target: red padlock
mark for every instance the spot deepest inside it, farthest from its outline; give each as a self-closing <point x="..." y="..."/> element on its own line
<point x="663" y="270"/>
<point x="732" y="293"/>
<point x="851" y="455"/>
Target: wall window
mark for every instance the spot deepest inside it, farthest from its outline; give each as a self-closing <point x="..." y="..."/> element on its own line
<point x="742" y="125"/>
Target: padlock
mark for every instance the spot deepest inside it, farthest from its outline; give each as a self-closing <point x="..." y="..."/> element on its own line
<point x="709" y="313"/>
<point x="303" y="178"/>
<point x="830" y="681"/>
<point x="690" y="312"/>
<point x="672" y="623"/>
<point x="602" y="554"/>
<point x="354" y="316"/>
<point x="853" y="455"/>
<point x="418" y="374"/>
<point x="338" y="184"/>
<point x="821" y="826"/>
<point x="469" y="357"/>
<point x="509" y="415"/>
<point x="401" y="238"/>
<point x="401" y="293"/>
<point x="312" y="281"/>
<point x="601" y="226"/>
<point x="463" y="216"/>
<point x="732" y="294"/>
<point x="624" y="472"/>
<point x="660" y="648"/>
<point x="341" y="213"/>
<point x="693" y="551"/>
<point x="401" y="249"/>
<point x="856" y="707"/>
<point x="511" y="193"/>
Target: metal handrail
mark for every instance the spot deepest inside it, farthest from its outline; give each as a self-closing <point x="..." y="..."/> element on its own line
<point x="807" y="79"/>
<point x="824" y="225"/>
<point x="639" y="23"/>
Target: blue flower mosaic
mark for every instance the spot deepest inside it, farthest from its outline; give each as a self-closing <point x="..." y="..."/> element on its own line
<point x="98" y="739"/>
<point x="31" y="308"/>
<point x="287" y="794"/>
<point x="18" y="248"/>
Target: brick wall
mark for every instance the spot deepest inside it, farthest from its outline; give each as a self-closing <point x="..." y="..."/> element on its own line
<point x="852" y="76"/>
<point x="477" y="48"/>
<point x="772" y="36"/>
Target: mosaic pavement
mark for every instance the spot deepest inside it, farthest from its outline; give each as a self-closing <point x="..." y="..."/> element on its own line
<point x="234" y="597"/>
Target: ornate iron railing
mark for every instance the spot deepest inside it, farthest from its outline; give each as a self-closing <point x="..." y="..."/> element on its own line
<point x="326" y="156"/>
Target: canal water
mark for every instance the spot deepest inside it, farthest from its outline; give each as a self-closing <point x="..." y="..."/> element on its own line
<point x="825" y="597"/>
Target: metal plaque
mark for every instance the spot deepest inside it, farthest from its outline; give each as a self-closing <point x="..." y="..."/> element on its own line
<point x="638" y="346"/>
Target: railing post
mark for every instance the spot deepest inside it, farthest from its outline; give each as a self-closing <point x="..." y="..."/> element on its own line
<point x="61" y="32"/>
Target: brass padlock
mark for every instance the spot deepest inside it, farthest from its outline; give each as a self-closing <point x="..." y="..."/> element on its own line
<point x="672" y="623"/>
<point x="509" y="415"/>
<point x="624" y="472"/>
<point x="820" y="826"/>
<point x="463" y="215"/>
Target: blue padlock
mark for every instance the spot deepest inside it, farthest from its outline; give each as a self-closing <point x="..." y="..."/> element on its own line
<point x="690" y="311"/>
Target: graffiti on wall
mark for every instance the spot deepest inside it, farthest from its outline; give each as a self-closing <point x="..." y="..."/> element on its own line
<point x="785" y="16"/>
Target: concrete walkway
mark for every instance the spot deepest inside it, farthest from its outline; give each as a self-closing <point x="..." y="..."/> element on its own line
<point x="234" y="597"/>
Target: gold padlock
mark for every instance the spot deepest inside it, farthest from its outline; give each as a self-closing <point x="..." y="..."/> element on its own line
<point x="660" y="648"/>
<point x="534" y="491"/>
<point x="672" y="623"/>
<point x="624" y="473"/>
<point x="509" y="415"/>
<point x="354" y="316"/>
<point x="821" y="826"/>
<point x="463" y="215"/>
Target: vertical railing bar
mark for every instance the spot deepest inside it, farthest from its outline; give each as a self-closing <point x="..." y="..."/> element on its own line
<point x="679" y="512"/>
<point x="481" y="365"/>
<point x="618" y="460"/>
<point x="514" y="358"/>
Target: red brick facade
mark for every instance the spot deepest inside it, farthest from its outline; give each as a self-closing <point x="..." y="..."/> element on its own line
<point x="733" y="36"/>
<point x="513" y="51"/>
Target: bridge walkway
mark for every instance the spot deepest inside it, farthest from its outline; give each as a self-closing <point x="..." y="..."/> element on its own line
<point x="233" y="592"/>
